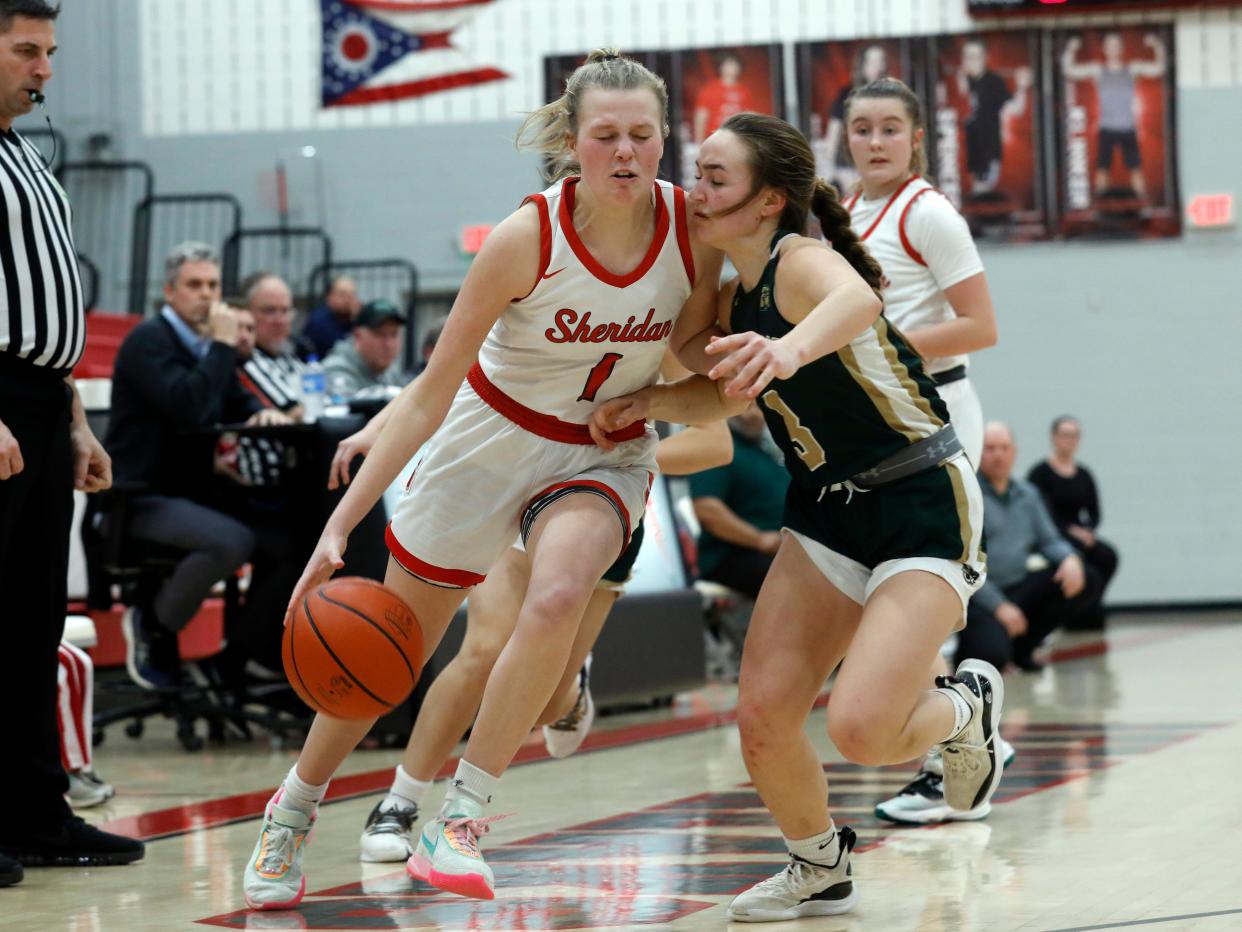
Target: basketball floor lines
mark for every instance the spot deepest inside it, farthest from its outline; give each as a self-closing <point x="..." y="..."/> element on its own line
<point x="672" y="860"/>
<point x="1116" y="811"/>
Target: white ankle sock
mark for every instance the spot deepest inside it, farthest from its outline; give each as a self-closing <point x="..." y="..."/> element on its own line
<point x="472" y="783"/>
<point x="405" y="791"/>
<point x="301" y="795"/>
<point x="961" y="710"/>
<point x="820" y="849"/>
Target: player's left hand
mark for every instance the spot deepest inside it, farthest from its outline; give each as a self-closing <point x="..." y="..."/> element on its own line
<point x="92" y="466"/>
<point x="616" y="414"/>
<point x="750" y="362"/>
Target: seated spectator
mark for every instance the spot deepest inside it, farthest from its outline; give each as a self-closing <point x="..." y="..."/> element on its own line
<point x="1018" y="607"/>
<point x="175" y="378"/>
<point x="331" y="321"/>
<point x="370" y="358"/>
<point x="740" y="506"/>
<point x="245" y="336"/>
<point x="276" y="364"/>
<point x="1070" y="493"/>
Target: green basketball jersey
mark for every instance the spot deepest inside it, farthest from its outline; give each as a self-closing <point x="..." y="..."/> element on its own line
<point x="849" y="410"/>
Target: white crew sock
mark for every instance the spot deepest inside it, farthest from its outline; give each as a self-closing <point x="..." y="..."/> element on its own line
<point x="472" y="784"/>
<point x="300" y="795"/>
<point x="822" y="849"/>
<point x="405" y="791"/>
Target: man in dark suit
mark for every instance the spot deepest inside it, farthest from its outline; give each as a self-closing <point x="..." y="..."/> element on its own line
<point x="175" y="378"/>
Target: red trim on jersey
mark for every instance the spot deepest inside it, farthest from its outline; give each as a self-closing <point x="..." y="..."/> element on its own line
<point x="542" y="425"/>
<point x="249" y="385"/>
<point x="683" y="232"/>
<point x="849" y="205"/>
<point x="892" y="200"/>
<point x="901" y="231"/>
<point x="436" y="574"/>
<point x="584" y="254"/>
<point x="545" y="239"/>
<point x="598" y="486"/>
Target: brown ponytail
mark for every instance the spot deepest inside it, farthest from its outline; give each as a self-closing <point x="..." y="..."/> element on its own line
<point x="781" y="158"/>
<point x="549" y="129"/>
<point x="834" y="220"/>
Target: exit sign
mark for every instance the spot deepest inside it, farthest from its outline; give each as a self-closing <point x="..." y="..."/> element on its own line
<point x="472" y="237"/>
<point x="1210" y="210"/>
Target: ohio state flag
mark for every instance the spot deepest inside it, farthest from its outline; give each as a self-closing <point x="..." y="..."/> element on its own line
<point x="379" y="50"/>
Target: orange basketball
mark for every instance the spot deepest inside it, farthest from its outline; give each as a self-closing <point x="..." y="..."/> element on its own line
<point x="353" y="649"/>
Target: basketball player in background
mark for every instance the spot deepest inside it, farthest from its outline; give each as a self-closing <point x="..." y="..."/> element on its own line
<point x="1114" y="79"/>
<point x="512" y="452"/>
<point x="835" y="164"/>
<point x="936" y="294"/>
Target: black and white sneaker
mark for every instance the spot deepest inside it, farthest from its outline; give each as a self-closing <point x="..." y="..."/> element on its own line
<point x="565" y="735"/>
<point x="387" y="835"/>
<point x="802" y="889"/>
<point x="972" y="764"/>
<point x="921" y="802"/>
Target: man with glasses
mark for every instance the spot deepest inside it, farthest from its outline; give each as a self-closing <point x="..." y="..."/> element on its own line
<point x="275" y="367"/>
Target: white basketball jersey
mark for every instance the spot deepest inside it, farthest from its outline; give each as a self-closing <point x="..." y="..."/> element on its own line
<point x="914" y="292"/>
<point x="584" y="335"/>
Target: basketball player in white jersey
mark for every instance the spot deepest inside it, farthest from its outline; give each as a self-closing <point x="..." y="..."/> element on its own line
<point x="572" y="300"/>
<point x="937" y="295"/>
<point x="450" y="704"/>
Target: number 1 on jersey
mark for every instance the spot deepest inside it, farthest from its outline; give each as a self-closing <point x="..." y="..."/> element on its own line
<point x="599" y="375"/>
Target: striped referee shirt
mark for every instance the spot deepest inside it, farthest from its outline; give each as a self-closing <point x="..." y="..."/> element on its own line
<point x="278" y="378"/>
<point x="42" y="318"/>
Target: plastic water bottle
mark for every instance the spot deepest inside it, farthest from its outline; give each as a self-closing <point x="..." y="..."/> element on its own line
<point x="313" y="390"/>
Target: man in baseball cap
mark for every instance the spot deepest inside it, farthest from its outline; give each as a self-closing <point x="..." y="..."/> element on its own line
<point x="370" y="358"/>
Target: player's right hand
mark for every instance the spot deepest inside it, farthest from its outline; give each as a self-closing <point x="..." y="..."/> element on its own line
<point x="616" y="414"/>
<point x="11" y="462"/>
<point x="326" y="560"/>
<point x="357" y="444"/>
<point x="222" y="323"/>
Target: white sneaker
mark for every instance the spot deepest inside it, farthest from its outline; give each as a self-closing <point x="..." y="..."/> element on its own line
<point x="801" y="889"/>
<point x="972" y="766"/>
<point x="273" y="878"/>
<point x="447" y="855"/>
<point x="921" y="802"/>
<point x="387" y="834"/>
<point x="565" y="735"/>
<point x="87" y="790"/>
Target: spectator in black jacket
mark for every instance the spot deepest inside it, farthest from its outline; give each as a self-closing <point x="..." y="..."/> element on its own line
<point x="1070" y="492"/>
<point x="176" y="377"/>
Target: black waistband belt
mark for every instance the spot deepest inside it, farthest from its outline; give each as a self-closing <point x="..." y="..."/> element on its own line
<point x="956" y="374"/>
<point x="920" y="455"/>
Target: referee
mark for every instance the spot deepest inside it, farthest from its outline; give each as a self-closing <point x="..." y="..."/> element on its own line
<point x="46" y="450"/>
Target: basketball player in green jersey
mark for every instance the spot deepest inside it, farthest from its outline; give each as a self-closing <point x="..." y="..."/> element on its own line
<point x="883" y="523"/>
